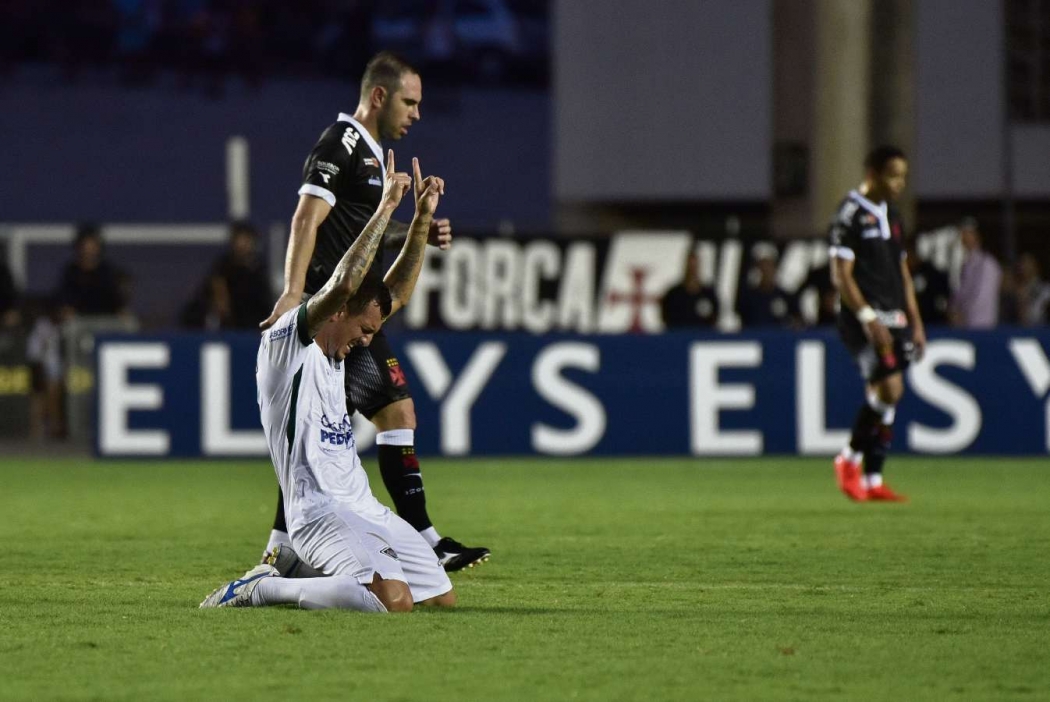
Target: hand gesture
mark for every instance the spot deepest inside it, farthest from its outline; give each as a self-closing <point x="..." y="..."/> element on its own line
<point x="428" y="191"/>
<point x="440" y="234"/>
<point x="882" y="341"/>
<point x="395" y="185"/>
<point x="918" y="338"/>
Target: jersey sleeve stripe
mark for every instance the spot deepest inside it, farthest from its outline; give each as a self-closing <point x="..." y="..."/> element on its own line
<point x="317" y="191"/>
<point x="302" y="327"/>
<point x="842" y="252"/>
<point x="290" y="429"/>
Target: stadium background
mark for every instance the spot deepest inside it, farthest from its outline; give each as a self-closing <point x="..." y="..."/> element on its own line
<point x="587" y="151"/>
<point x="548" y="131"/>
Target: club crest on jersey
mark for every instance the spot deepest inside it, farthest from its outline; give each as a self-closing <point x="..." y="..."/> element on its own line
<point x="336" y="435"/>
<point x="371" y="162"/>
<point x="349" y="139"/>
<point x="397" y="375"/>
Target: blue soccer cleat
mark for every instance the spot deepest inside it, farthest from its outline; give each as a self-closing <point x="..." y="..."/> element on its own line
<point x="239" y="592"/>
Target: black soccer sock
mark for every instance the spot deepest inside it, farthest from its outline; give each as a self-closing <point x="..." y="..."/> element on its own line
<point x="279" y="523"/>
<point x="865" y="426"/>
<point x="400" y="470"/>
<point x="875" y="456"/>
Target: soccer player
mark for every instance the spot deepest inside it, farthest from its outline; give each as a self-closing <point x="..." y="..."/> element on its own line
<point x="342" y="182"/>
<point x="376" y="562"/>
<point x="879" y="318"/>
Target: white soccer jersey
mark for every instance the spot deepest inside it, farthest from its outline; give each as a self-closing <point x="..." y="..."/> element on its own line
<point x="303" y="409"/>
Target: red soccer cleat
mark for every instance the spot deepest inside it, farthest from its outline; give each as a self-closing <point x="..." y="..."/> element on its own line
<point x="848" y="475"/>
<point x="882" y="493"/>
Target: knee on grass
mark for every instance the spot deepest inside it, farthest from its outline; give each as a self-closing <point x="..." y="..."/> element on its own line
<point x="448" y="599"/>
<point x="394" y="594"/>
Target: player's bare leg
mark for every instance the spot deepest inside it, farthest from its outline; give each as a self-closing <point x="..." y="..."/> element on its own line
<point x="396" y="424"/>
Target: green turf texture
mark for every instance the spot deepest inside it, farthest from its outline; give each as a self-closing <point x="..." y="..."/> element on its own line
<point x="641" y="579"/>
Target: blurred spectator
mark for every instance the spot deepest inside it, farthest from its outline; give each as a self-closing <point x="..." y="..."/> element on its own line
<point x="932" y="290"/>
<point x="690" y="304"/>
<point x="1033" y="293"/>
<point x="827" y="296"/>
<point x="91" y="286"/>
<point x="236" y="294"/>
<point x="975" y="304"/>
<point x="9" y="312"/>
<point x="763" y="303"/>
<point x="44" y="353"/>
<point x="205" y="41"/>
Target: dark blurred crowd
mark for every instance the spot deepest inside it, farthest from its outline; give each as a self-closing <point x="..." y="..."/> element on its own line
<point x="205" y="41"/>
<point x="980" y="294"/>
<point x="235" y="293"/>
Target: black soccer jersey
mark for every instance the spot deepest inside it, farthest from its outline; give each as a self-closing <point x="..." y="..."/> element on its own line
<point x="346" y="169"/>
<point x="871" y="236"/>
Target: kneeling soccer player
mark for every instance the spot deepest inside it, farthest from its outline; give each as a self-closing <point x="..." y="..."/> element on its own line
<point x="375" y="561"/>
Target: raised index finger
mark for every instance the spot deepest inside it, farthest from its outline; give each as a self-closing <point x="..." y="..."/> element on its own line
<point x="417" y="176"/>
<point x="390" y="161"/>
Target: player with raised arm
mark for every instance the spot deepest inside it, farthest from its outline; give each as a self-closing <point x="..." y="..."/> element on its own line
<point x="341" y="186"/>
<point x="376" y="561"/>
<point x="879" y="319"/>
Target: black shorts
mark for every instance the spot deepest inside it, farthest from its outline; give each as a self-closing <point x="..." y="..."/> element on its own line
<point x="374" y="377"/>
<point x="873" y="366"/>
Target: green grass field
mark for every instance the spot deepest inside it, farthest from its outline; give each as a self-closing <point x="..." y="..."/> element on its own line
<point x="610" y="580"/>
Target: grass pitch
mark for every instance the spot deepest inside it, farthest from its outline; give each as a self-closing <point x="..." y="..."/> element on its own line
<point x="610" y="580"/>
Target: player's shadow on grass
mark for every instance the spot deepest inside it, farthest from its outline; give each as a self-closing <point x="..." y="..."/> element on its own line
<point x="471" y="610"/>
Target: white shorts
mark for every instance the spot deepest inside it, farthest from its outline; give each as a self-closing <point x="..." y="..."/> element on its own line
<point x="345" y="542"/>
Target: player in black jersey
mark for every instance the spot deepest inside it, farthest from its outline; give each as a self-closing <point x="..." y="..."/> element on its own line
<point x="341" y="188"/>
<point x="879" y="318"/>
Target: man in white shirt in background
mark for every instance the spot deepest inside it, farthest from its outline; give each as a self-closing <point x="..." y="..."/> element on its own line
<point x="975" y="304"/>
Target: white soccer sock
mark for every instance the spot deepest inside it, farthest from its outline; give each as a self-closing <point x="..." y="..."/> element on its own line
<point x="431" y="535"/>
<point x="871" y="480"/>
<point x="852" y="456"/>
<point x="336" y="592"/>
<point x="396" y="437"/>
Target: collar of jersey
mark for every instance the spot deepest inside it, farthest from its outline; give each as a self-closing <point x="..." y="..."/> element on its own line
<point x="880" y="212"/>
<point x="372" y="144"/>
